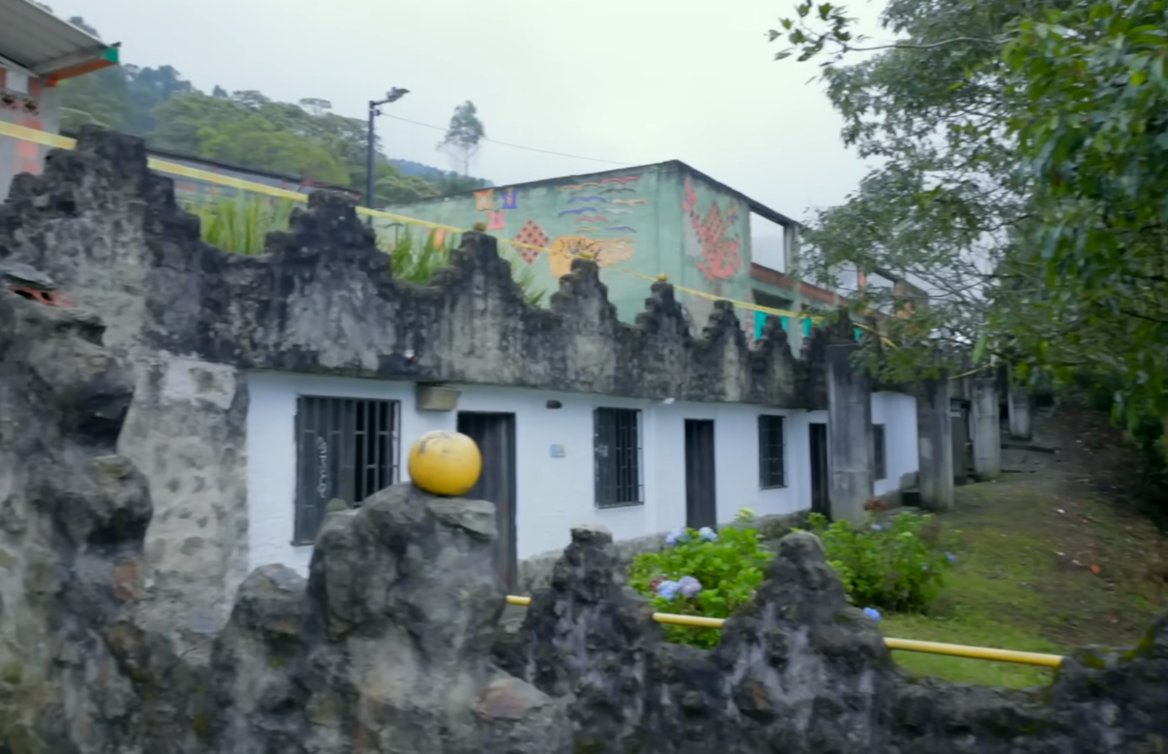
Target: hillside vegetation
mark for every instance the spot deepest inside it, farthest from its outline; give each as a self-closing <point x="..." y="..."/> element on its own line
<point x="245" y="128"/>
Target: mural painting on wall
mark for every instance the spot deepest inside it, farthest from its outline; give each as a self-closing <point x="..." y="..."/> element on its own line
<point x="594" y="219"/>
<point x="712" y="236"/>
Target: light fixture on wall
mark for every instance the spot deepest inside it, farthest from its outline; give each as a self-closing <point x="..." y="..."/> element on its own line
<point x="431" y="397"/>
<point x="668" y="401"/>
<point x="554" y="404"/>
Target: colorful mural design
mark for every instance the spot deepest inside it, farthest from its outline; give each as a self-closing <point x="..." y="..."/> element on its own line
<point x="719" y="242"/>
<point x="604" y="251"/>
<point x="485" y="200"/>
<point x="531" y="234"/>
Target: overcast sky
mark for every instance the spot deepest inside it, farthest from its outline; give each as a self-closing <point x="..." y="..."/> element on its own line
<point x="631" y="81"/>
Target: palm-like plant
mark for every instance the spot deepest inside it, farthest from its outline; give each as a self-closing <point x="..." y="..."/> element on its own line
<point x="241" y="225"/>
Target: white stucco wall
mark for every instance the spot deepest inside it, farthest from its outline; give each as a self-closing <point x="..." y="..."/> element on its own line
<point x="554" y="494"/>
<point x="898" y="413"/>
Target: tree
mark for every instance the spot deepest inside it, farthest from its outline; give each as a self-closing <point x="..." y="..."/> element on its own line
<point x="1092" y="126"/>
<point x="464" y="135"/>
<point x="246" y="128"/>
<point x="1023" y="179"/>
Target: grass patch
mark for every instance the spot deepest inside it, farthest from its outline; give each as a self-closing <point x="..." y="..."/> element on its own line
<point x="1040" y="568"/>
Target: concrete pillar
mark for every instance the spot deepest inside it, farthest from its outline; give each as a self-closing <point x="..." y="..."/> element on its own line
<point x="1018" y="404"/>
<point x="960" y="435"/>
<point x="987" y="429"/>
<point x="935" y="445"/>
<point x="849" y="443"/>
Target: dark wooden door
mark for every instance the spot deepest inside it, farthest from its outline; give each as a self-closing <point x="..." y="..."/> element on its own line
<point x="819" y="475"/>
<point x="701" y="502"/>
<point x="495" y="435"/>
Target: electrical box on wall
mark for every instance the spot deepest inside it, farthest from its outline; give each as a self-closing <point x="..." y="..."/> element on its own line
<point x="437" y="398"/>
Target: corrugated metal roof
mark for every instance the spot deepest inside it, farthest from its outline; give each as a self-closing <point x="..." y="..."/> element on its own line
<point x="34" y="38"/>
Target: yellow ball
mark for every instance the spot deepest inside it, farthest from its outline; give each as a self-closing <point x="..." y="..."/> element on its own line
<point x="445" y="463"/>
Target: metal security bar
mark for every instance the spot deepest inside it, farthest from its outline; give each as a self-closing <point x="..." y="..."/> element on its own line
<point x="771" y="465"/>
<point x="346" y="449"/>
<point x="617" y="457"/>
<point x="900" y="645"/>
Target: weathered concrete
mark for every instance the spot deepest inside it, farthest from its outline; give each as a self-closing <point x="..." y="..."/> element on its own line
<point x="190" y="320"/>
<point x="935" y="441"/>
<point x="849" y="445"/>
<point x="987" y="429"/>
<point x="1019" y="404"/>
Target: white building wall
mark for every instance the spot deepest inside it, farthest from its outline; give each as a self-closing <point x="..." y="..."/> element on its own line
<point x="898" y="413"/>
<point x="554" y="494"/>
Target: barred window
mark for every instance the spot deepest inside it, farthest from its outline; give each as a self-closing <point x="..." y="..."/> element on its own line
<point x="879" y="462"/>
<point x="345" y="448"/>
<point x="771" y="468"/>
<point x="617" y="457"/>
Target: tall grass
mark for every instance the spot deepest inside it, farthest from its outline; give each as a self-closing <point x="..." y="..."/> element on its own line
<point x="241" y="225"/>
<point x="418" y="260"/>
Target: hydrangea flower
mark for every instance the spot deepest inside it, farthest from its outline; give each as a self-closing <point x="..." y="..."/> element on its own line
<point x="676" y="537"/>
<point x="689" y="586"/>
<point x="707" y="534"/>
<point x="952" y="558"/>
<point x="878" y="527"/>
<point x="668" y="589"/>
<point x="872" y="613"/>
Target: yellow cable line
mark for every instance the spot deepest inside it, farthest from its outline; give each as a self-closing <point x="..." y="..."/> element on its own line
<point x="173" y="168"/>
<point x="903" y="645"/>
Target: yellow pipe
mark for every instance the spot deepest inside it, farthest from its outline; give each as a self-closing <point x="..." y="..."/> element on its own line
<point x="975" y="653"/>
<point x="900" y="645"/>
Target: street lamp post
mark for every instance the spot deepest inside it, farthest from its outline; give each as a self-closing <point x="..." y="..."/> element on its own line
<point x="393" y="95"/>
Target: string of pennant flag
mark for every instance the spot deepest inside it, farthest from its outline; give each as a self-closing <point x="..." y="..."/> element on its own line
<point x="169" y="167"/>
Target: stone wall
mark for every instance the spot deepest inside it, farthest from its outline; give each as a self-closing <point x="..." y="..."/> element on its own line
<point x="189" y="320"/>
<point x="393" y="643"/>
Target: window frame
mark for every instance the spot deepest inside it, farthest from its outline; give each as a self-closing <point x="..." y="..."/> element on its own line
<point x="634" y="458"/>
<point x="340" y="427"/>
<point x="766" y="454"/>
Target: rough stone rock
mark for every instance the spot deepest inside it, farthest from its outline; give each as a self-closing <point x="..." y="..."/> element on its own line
<point x="393" y="644"/>
<point x="189" y="320"/>
<point x="800" y="671"/>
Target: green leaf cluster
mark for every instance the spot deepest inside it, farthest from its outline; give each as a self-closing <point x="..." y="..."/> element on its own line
<point x="897" y="564"/>
<point x="729" y="568"/>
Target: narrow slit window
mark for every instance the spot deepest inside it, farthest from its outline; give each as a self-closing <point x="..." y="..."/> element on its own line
<point x="772" y="470"/>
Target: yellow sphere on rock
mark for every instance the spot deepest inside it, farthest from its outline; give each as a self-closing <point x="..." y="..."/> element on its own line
<point x="445" y="463"/>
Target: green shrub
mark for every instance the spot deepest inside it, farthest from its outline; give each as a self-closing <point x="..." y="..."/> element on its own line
<point x="702" y="572"/>
<point x="898" y="564"/>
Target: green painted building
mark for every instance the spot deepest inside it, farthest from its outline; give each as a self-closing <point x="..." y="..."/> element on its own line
<point x="638" y="224"/>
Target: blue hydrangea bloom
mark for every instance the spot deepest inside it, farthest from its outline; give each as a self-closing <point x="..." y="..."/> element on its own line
<point x="952" y="558"/>
<point x="689" y="586"/>
<point x="675" y="537"/>
<point x="707" y="534"/>
<point x="668" y="589"/>
<point x="872" y="613"/>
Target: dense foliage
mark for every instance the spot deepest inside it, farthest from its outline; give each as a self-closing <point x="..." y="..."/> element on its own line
<point x="244" y="128"/>
<point x="1022" y="181"/>
<point x="703" y="572"/>
<point x="897" y="564"/>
